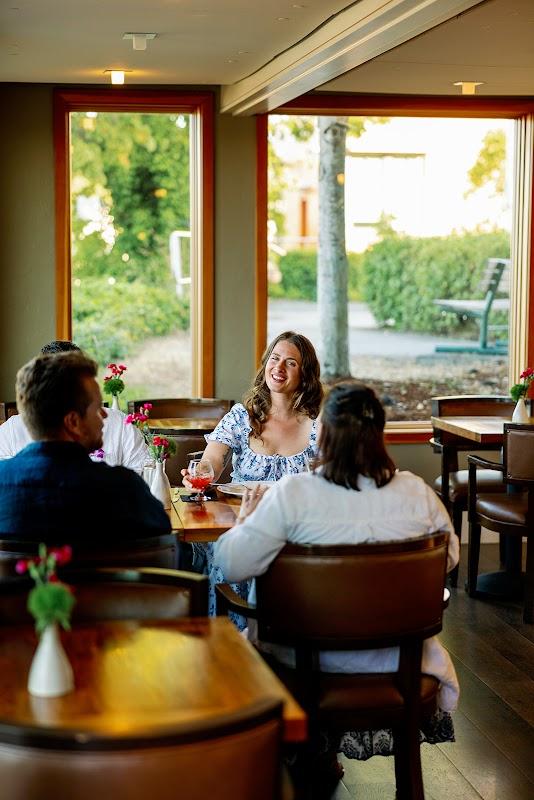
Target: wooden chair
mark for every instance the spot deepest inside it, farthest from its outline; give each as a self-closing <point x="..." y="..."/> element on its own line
<point x="511" y="514"/>
<point x="356" y="597"/>
<point x="228" y="757"/>
<point x="116" y="594"/>
<point x="495" y="280"/>
<point x="155" y="551"/>
<point x="192" y="407"/>
<point x="458" y="479"/>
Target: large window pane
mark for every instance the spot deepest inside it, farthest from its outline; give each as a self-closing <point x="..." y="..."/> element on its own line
<point x="131" y="250"/>
<point x="426" y="218"/>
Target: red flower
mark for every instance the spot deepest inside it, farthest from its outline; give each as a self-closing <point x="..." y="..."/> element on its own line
<point x="528" y="373"/>
<point x="53" y="578"/>
<point x="21" y="567"/>
<point x="63" y="554"/>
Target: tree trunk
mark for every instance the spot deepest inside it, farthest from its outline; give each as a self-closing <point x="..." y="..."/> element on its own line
<point x="332" y="265"/>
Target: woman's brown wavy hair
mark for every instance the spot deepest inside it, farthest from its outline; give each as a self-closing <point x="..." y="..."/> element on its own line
<point x="307" y="399"/>
<point x="351" y="441"/>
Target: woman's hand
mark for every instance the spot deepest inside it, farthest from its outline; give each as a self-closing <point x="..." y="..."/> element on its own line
<point x="251" y="498"/>
<point x="185" y="480"/>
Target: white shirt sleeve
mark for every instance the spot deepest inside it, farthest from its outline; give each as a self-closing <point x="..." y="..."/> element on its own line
<point x="123" y="444"/>
<point x="247" y="549"/>
<point x="14" y="436"/>
<point x="440" y="521"/>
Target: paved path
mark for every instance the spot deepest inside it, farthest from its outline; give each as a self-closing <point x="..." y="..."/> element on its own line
<point x="365" y="337"/>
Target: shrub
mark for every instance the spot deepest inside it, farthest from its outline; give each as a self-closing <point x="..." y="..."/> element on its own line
<point x="108" y="321"/>
<point x="402" y="276"/>
<point x="299" y="276"/>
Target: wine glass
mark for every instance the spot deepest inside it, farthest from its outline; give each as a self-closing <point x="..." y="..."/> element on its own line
<point x="200" y="476"/>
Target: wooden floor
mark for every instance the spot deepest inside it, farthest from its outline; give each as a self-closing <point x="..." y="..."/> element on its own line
<point x="493" y="756"/>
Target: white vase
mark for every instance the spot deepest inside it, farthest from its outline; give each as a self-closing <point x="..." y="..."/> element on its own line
<point x="149" y="470"/>
<point x="520" y="412"/>
<point x="50" y="671"/>
<point x="160" y="487"/>
<point x="115" y="402"/>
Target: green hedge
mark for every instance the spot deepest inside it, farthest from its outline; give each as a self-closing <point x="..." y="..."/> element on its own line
<point x="109" y="321"/>
<point x="402" y="276"/>
<point x="299" y="276"/>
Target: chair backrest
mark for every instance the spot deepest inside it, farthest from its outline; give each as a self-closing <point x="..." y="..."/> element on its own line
<point x="108" y="594"/>
<point x="185" y="443"/>
<point x="7" y="409"/>
<point x="496" y="277"/>
<point x="155" y="551"/>
<point x="473" y="405"/>
<point x="340" y="597"/>
<point x="230" y="757"/>
<point x="192" y="407"/>
<point x="518" y="453"/>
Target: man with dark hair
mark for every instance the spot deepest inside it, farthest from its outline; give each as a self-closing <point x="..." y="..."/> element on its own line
<point x="51" y="491"/>
<point x="123" y="444"/>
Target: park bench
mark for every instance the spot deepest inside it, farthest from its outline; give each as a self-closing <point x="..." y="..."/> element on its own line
<point x="495" y="280"/>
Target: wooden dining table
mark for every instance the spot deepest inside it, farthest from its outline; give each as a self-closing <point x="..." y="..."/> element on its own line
<point x="137" y="679"/>
<point x="203" y="522"/>
<point x="467" y="433"/>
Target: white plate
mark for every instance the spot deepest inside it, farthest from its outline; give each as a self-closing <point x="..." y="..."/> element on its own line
<point x="238" y="489"/>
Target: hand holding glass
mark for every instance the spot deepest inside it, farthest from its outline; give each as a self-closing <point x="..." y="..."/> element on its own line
<point x="200" y="476"/>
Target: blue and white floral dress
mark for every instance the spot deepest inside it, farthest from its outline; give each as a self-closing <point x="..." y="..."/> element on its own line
<point x="234" y="430"/>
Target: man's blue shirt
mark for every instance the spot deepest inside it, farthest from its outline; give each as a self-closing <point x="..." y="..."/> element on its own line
<point x="52" y="492"/>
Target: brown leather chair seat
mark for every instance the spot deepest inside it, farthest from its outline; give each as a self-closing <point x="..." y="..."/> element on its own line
<point x="487" y="479"/>
<point x="511" y="508"/>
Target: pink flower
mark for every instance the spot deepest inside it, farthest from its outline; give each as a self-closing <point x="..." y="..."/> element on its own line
<point x="528" y="373"/>
<point x="147" y="406"/>
<point x="122" y="368"/>
<point x="63" y="554"/>
<point x="21" y="567"/>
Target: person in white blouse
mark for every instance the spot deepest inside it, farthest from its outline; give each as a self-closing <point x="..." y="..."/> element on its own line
<point x="123" y="444"/>
<point x="355" y="495"/>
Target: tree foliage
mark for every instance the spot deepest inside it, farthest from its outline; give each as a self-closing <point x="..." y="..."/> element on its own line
<point x="489" y="168"/>
<point x="136" y="166"/>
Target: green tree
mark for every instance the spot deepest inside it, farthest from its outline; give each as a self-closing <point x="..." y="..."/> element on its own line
<point x="489" y="168"/>
<point x="137" y="166"/>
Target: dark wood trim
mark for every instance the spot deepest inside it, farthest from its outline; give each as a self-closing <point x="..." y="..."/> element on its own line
<point x="149" y="100"/>
<point x="408" y="105"/>
<point x="530" y="328"/>
<point x="408" y="437"/>
<point x="261" y="234"/>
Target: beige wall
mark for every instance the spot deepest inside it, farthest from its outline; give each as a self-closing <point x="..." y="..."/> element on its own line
<point x="27" y="293"/>
<point x="27" y="288"/>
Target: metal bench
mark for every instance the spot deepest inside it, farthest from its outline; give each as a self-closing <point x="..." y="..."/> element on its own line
<point x="496" y="280"/>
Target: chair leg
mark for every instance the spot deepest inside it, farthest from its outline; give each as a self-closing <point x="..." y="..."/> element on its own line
<point x="473" y="556"/>
<point x="408" y="774"/>
<point x="502" y="549"/>
<point x="528" y="609"/>
<point x="457" y="514"/>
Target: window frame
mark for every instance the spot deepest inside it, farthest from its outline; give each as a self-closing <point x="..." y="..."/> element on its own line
<point x="200" y="105"/>
<point x="521" y="109"/>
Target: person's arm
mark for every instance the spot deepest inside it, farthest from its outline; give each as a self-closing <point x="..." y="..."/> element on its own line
<point x="440" y="521"/>
<point x="247" y="549"/>
<point x="216" y="453"/>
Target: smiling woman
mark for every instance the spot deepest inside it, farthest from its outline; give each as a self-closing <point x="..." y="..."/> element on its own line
<point x="272" y="433"/>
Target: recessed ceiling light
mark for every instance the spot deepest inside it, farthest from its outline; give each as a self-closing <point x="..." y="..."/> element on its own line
<point x="468" y="87"/>
<point x="242" y="52"/>
<point x="116" y="75"/>
<point x="298" y="5"/>
<point x="231" y="60"/>
<point x="282" y="19"/>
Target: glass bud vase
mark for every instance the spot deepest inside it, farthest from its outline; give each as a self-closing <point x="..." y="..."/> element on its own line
<point x="161" y="487"/>
<point x="50" y="671"/>
<point x="520" y="412"/>
<point x="115" y="402"/>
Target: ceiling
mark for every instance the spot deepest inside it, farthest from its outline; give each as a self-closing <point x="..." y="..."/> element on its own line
<point x="493" y="43"/>
<point x="224" y="42"/>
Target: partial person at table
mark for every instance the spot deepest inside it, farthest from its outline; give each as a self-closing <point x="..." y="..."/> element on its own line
<point x="356" y="495"/>
<point x="272" y="433"/>
<point x="123" y="445"/>
<point x="51" y="491"/>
